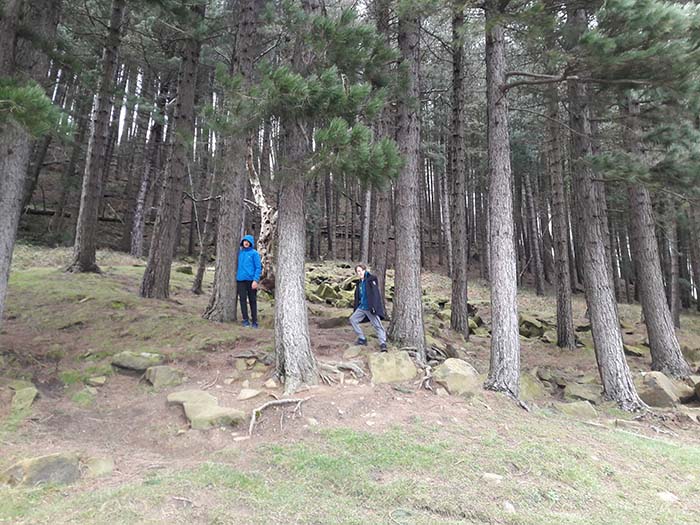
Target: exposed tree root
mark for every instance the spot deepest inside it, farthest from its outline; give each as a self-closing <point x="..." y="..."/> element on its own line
<point x="258" y="411"/>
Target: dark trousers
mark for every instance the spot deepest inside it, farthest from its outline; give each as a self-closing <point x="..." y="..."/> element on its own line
<point x="246" y="293"/>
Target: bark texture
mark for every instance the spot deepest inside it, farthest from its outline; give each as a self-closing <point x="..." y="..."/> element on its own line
<point x="156" y="278"/>
<point x="406" y="327"/>
<point x="504" y="369"/>
<point x="85" y="245"/>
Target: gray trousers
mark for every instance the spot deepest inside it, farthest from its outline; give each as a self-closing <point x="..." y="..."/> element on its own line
<point x="359" y="315"/>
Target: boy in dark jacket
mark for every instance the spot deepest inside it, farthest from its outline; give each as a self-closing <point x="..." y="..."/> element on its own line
<point x="368" y="306"/>
<point x="247" y="277"/>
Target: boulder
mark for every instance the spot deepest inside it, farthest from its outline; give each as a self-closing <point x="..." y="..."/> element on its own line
<point x="97" y="381"/>
<point x="587" y="392"/>
<point x="191" y="396"/>
<point x="472" y="324"/>
<point x="657" y="390"/>
<point x="530" y="326"/>
<point x="549" y="336"/>
<point x="56" y="469"/>
<point x="23" y="399"/>
<point x="458" y="377"/>
<point x="637" y="351"/>
<point x="531" y="388"/>
<point x="98" y="467"/>
<point x="247" y="393"/>
<point x="187" y="270"/>
<point x="162" y="376"/>
<point x="138" y="361"/>
<point x="481" y="332"/>
<point x="203" y="416"/>
<point x="333" y="322"/>
<point x="349" y="283"/>
<point x="391" y="367"/>
<point x="353" y="351"/>
<point x="578" y="409"/>
<point x="327" y="292"/>
<point x="691" y="354"/>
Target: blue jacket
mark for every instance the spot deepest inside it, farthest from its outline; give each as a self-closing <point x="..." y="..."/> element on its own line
<point x="375" y="305"/>
<point x="249" y="267"/>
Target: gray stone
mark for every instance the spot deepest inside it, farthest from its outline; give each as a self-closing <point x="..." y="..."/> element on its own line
<point x="23" y="399"/>
<point x="657" y="390"/>
<point x="353" y="351"/>
<point x="391" y="367"/>
<point x="691" y="354"/>
<point x="138" y="361"/>
<point x="579" y="392"/>
<point x="248" y="393"/>
<point x="458" y="377"/>
<point x="531" y="388"/>
<point x="327" y="292"/>
<point x="271" y="383"/>
<point x="203" y="416"/>
<point x="637" y="351"/>
<point x="187" y="270"/>
<point x="163" y="375"/>
<point x="578" y="409"/>
<point x="191" y="396"/>
<point x="98" y="467"/>
<point x="97" y="381"/>
<point x="492" y="478"/>
<point x="55" y="469"/>
<point x="333" y="322"/>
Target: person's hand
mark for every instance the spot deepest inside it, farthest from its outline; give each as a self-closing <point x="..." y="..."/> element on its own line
<point x="254" y="286"/>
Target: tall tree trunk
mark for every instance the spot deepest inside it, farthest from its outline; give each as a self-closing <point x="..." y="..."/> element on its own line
<point x="152" y="163"/>
<point x="15" y="142"/>
<point x="406" y="327"/>
<point x="366" y="215"/>
<point x="156" y="278"/>
<point x="85" y="246"/>
<point x="504" y="369"/>
<point x="330" y="217"/>
<point x="446" y="223"/>
<point x="296" y="363"/>
<point x="459" y="318"/>
<point x="535" y="253"/>
<point x="694" y="226"/>
<point x="600" y="297"/>
<point x="207" y="233"/>
<point x="223" y="305"/>
<point x="674" y="283"/>
<point x="565" y="320"/>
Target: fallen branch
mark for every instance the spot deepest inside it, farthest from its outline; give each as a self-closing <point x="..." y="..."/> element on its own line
<point x="277" y="402"/>
<point x="209" y="385"/>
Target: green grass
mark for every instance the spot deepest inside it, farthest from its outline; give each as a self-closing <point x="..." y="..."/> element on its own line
<point x="552" y="473"/>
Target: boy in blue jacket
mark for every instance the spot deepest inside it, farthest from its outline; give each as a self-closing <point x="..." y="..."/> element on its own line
<point x="247" y="278"/>
<point x="368" y="306"/>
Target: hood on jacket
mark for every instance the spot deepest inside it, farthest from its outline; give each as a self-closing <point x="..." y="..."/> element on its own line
<point x="250" y="239"/>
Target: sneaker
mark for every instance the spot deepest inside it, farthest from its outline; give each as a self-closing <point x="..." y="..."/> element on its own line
<point x="382" y="347"/>
<point x="361" y="341"/>
<point x="254" y="325"/>
<point x="246" y="323"/>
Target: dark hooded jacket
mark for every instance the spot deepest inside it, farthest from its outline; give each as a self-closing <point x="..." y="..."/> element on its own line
<point x="374" y="298"/>
<point x="249" y="267"/>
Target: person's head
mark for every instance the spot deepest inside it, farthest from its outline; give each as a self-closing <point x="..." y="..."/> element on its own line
<point x="247" y="242"/>
<point x="360" y="269"/>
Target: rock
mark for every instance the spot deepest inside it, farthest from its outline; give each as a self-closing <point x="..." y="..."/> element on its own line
<point x="531" y="388"/>
<point x="627" y="424"/>
<point x="352" y="382"/>
<point x="23" y="399"/>
<point x="492" y="478"/>
<point x="391" y="367"/>
<point x="333" y="322"/>
<point x="98" y="467"/>
<point x="668" y="497"/>
<point x="248" y="393"/>
<point x="97" y="381"/>
<point x="583" y="328"/>
<point x="508" y="507"/>
<point x="56" y="469"/>
<point x="481" y="332"/>
<point x="327" y="292"/>
<point x="545" y="374"/>
<point x="530" y="326"/>
<point x="579" y="392"/>
<point x="349" y="283"/>
<point x="691" y="354"/>
<point x="162" y="376"/>
<point x="187" y="270"/>
<point x="458" y="377"/>
<point x="191" y="396"/>
<point x="473" y="325"/>
<point x="312" y="421"/>
<point x="433" y="342"/>
<point x="138" y="361"/>
<point x="203" y="416"/>
<point x="549" y="336"/>
<point x="270" y="383"/>
<point x="657" y="390"/>
<point x="245" y="384"/>
<point x="353" y="351"/>
<point x="441" y="392"/>
<point x="684" y="391"/>
<point x="578" y="409"/>
<point x="313" y="298"/>
<point x="637" y="351"/>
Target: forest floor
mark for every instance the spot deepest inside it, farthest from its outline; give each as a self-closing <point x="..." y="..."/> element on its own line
<point x="354" y="452"/>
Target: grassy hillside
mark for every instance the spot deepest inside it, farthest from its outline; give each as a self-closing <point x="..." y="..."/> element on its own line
<point x="353" y="452"/>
